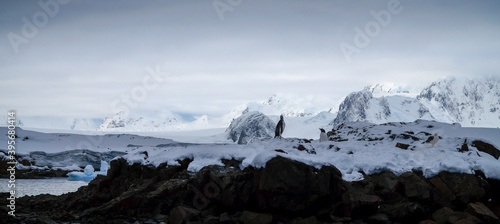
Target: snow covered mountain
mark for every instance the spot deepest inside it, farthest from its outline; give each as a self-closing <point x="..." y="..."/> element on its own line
<point x="153" y="121"/>
<point x="288" y="106"/>
<point x="470" y="102"/>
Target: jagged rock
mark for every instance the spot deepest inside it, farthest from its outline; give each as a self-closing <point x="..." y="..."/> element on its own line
<point x="309" y="220"/>
<point x="284" y="190"/>
<point x="415" y="187"/>
<point x="469" y="220"/>
<point x="466" y="187"/>
<point x="379" y="219"/>
<point x="486" y="148"/>
<point x="362" y="204"/>
<point x="443" y="196"/>
<point x="427" y="222"/>
<point x="250" y="126"/>
<point x="181" y="214"/>
<point x="480" y="210"/>
<point x="281" y="185"/>
<point x="405" y="212"/>
<point x="387" y="186"/>
<point x="465" y="147"/>
<point x="447" y="215"/>
<point x="255" y="218"/>
<point x="402" y="146"/>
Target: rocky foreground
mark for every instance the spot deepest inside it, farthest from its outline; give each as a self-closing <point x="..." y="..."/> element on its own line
<point x="286" y="191"/>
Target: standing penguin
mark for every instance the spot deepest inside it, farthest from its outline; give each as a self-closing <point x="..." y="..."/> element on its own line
<point x="432" y="140"/>
<point x="323" y="137"/>
<point x="280" y="127"/>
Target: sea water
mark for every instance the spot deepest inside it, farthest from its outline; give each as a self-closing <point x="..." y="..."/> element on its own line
<point x="54" y="186"/>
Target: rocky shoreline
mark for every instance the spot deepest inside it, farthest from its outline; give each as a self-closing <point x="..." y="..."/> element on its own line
<point x="285" y="191"/>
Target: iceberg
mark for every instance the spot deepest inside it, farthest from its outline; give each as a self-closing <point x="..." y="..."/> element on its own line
<point x="88" y="173"/>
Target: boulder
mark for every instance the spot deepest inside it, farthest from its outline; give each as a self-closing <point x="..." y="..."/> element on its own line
<point x="466" y="187"/>
<point x="415" y="187"/>
<point x="309" y="220"/>
<point x="387" y="186"/>
<point x="447" y="215"/>
<point x="294" y="186"/>
<point x="482" y="212"/>
<point x="486" y="148"/>
<point x="405" y="212"/>
<point x="443" y="195"/>
<point x="255" y="218"/>
<point x="402" y="146"/>
<point x="181" y="214"/>
<point x="249" y="126"/>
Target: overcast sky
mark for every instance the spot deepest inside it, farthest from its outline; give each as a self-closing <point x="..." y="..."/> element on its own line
<point x="79" y="58"/>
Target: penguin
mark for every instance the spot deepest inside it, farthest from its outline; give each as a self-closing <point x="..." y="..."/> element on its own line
<point x="433" y="140"/>
<point x="280" y="127"/>
<point x="323" y="137"/>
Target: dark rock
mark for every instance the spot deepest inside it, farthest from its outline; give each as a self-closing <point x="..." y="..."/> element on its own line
<point x="442" y="195"/>
<point x="387" y="186"/>
<point x="447" y="215"/>
<point x="415" y="187"/>
<point x="181" y="214"/>
<point x="465" y="147"/>
<point x="486" y="148"/>
<point x="427" y="222"/>
<point x="405" y="212"/>
<point x="466" y="187"/>
<point x="309" y="220"/>
<point x="211" y="220"/>
<point x="255" y="218"/>
<point x="379" y="219"/>
<point x="482" y="212"/>
<point x="402" y="146"/>
<point x="280" y="151"/>
<point x="231" y="162"/>
<point x="301" y="147"/>
<point x="407" y="136"/>
<point x="281" y="185"/>
<point x="363" y="205"/>
<point x="469" y="220"/>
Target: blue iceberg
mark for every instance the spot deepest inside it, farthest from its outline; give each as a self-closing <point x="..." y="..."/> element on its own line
<point x="88" y="173"/>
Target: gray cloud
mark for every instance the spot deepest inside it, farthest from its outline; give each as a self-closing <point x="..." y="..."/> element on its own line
<point x="91" y="53"/>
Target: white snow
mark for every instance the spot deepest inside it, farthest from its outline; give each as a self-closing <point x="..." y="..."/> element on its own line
<point x="354" y="155"/>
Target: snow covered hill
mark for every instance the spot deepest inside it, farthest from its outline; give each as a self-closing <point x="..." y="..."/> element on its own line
<point x="356" y="148"/>
<point x="470" y="102"/>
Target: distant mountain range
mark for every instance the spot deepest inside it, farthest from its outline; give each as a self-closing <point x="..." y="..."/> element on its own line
<point x="470" y="102"/>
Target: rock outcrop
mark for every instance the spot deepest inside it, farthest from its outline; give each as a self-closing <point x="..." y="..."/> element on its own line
<point x="249" y="126"/>
<point x="285" y="191"/>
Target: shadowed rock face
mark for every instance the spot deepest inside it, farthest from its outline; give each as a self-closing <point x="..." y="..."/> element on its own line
<point x="486" y="148"/>
<point x="284" y="191"/>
